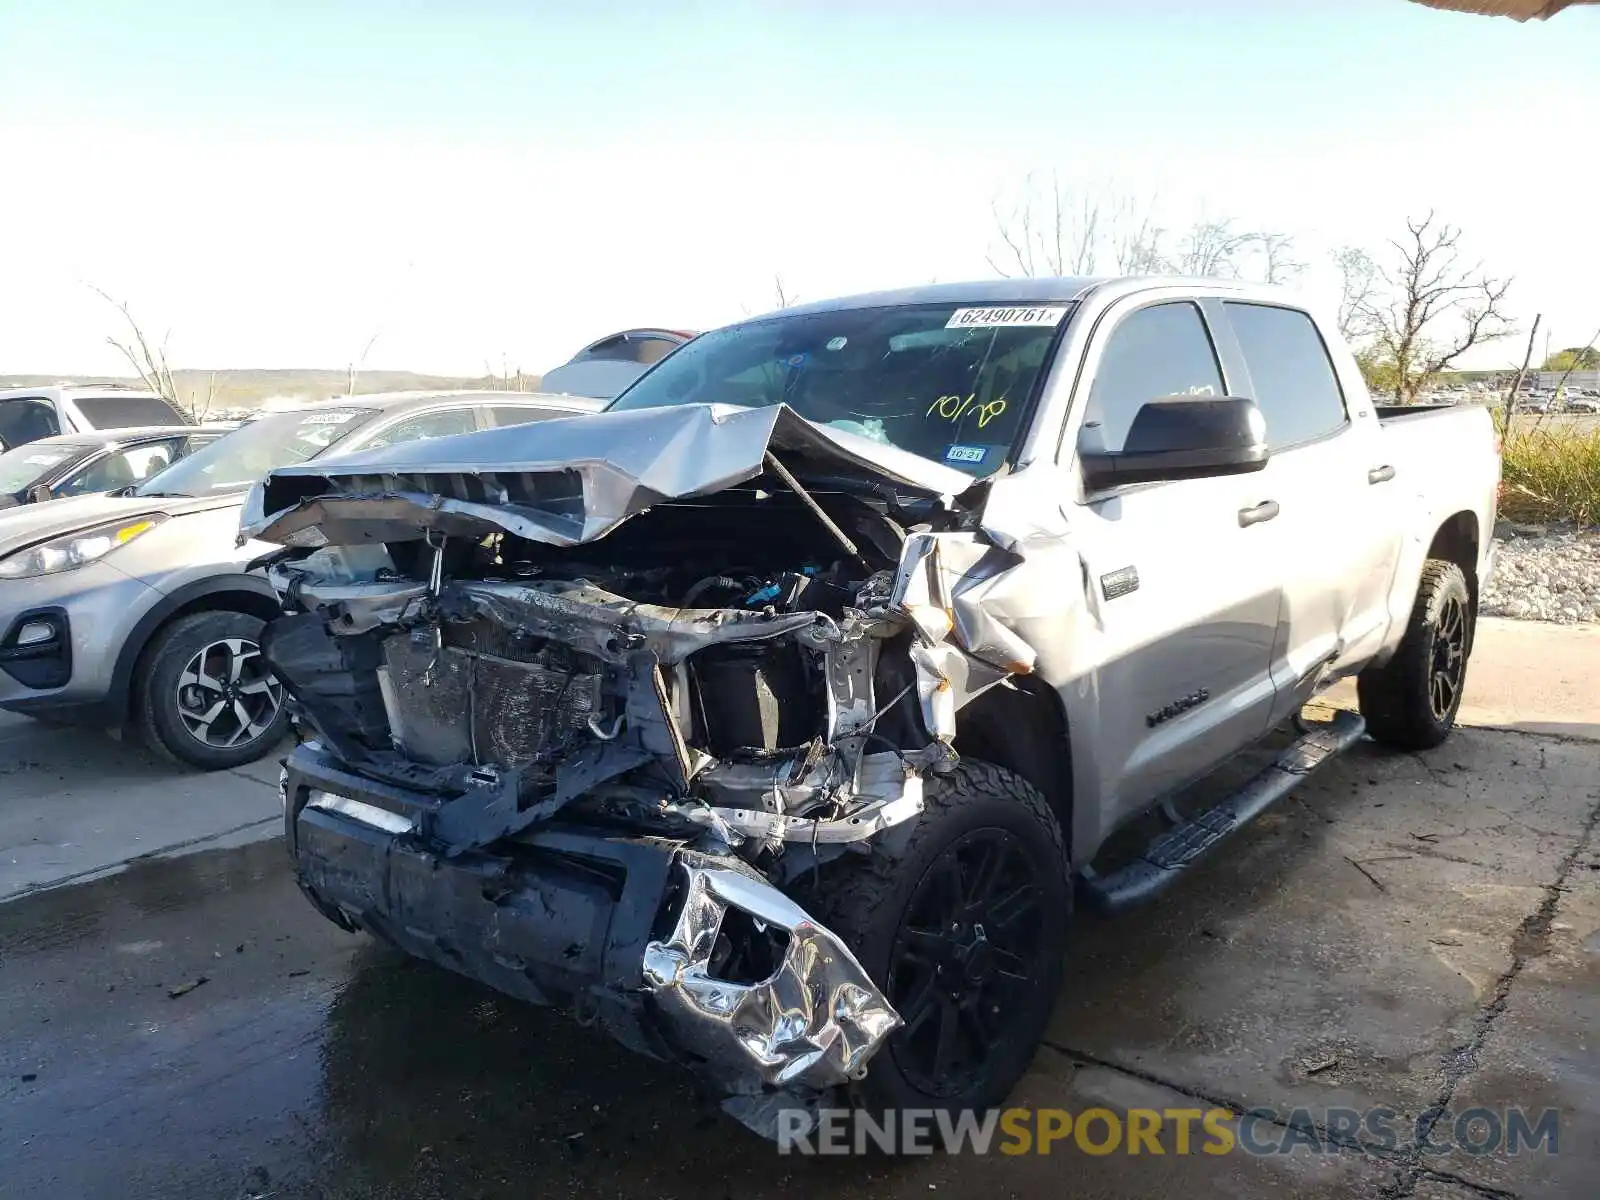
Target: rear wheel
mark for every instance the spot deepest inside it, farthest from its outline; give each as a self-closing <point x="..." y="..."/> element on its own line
<point x="1411" y="701"/>
<point x="208" y="698"/>
<point x="965" y="931"/>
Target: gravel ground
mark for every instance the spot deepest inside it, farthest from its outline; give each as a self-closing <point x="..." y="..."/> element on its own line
<point x="1545" y="574"/>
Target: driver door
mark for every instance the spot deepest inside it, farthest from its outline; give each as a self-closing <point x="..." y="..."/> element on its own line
<point x="1182" y="600"/>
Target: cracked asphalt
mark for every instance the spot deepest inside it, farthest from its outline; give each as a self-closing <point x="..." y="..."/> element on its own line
<point x="1414" y="933"/>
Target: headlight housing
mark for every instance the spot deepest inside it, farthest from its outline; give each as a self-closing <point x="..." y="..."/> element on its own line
<point x="74" y="550"/>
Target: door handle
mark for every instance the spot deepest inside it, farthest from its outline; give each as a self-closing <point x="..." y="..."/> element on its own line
<point x="1264" y="511"/>
<point x="1380" y="474"/>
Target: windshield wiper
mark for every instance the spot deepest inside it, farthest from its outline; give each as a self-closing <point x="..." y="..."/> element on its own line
<point x="158" y="495"/>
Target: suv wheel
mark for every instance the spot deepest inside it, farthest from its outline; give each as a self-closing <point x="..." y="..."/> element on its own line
<point x="208" y="698"/>
<point x="965" y="931"/>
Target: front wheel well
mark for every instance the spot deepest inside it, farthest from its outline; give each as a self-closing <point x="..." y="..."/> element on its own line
<point x="239" y="600"/>
<point x="1021" y="726"/>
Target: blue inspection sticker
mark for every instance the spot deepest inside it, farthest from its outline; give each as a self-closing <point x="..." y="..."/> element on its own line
<point x="966" y="454"/>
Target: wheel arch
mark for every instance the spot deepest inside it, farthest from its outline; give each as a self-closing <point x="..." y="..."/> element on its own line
<point x="224" y="593"/>
<point x="1459" y="541"/>
<point x="1023" y="728"/>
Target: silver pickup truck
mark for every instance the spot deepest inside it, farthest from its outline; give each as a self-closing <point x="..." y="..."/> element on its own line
<point x="775" y="718"/>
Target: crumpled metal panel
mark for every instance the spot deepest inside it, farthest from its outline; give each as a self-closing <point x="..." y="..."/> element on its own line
<point x="813" y="1024"/>
<point x="521" y="478"/>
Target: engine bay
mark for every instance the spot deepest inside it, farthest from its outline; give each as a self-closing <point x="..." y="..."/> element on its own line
<point x="731" y="664"/>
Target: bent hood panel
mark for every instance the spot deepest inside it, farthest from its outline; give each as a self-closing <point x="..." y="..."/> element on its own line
<point x="568" y="480"/>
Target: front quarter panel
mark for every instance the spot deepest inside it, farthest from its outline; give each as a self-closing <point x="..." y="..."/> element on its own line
<point x="187" y="548"/>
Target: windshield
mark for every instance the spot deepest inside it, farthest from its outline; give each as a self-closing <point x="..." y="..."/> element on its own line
<point x="236" y="460"/>
<point x="26" y="465"/>
<point x="951" y="383"/>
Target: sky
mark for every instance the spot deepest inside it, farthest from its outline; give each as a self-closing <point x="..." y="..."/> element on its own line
<point x="495" y="183"/>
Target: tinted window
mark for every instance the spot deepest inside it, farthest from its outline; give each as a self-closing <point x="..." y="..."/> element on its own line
<point x="428" y="425"/>
<point x="1294" y="383"/>
<point x="517" y="414"/>
<point x="118" y="470"/>
<point x="26" y="420"/>
<point x="124" y="412"/>
<point x="643" y="348"/>
<point x="1156" y="352"/>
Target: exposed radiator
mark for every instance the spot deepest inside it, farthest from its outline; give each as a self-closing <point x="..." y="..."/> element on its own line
<point x="455" y="704"/>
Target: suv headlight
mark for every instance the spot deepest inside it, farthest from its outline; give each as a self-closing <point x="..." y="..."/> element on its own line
<point x="74" y="550"/>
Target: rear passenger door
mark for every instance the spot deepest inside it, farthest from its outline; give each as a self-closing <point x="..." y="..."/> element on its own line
<point x="1338" y="545"/>
<point x="1180" y="590"/>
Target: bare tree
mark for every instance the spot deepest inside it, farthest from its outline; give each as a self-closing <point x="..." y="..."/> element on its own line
<point x="780" y="293"/>
<point x="355" y="365"/>
<point x="1428" y="290"/>
<point x="1358" y="290"/>
<point x="1212" y="248"/>
<point x="148" y="360"/>
<point x="1522" y="373"/>
<point x="1051" y="230"/>
<point x="1278" y="263"/>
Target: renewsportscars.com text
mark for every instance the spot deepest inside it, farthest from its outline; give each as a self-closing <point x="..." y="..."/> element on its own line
<point x="1163" y="1131"/>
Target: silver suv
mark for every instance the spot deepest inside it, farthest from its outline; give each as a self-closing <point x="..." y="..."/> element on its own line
<point x="139" y="609"/>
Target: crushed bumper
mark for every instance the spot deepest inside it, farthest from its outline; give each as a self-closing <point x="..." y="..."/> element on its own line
<point x="622" y="931"/>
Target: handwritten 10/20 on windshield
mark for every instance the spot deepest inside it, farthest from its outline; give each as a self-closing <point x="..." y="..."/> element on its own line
<point x="953" y="408"/>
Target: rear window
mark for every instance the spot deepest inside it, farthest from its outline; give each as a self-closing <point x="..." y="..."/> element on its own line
<point x="520" y="414"/>
<point x="1290" y="372"/>
<point x="125" y="412"/>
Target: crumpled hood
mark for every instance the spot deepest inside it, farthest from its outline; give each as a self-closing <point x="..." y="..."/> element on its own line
<point x="568" y="480"/>
<point x="29" y="524"/>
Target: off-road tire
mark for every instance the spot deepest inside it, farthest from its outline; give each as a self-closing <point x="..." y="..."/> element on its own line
<point x="864" y="900"/>
<point x="1395" y="699"/>
<point x="163" y="661"/>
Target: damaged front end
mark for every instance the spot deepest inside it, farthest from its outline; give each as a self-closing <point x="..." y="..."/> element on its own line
<point x="580" y="721"/>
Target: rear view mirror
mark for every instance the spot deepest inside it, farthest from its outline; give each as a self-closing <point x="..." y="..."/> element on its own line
<point x="1183" y="437"/>
<point x="39" y="493"/>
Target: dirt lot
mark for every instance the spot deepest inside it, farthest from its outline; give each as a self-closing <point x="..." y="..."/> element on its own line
<point x="1415" y="933"/>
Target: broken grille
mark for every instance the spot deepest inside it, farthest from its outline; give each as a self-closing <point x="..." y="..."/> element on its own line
<point x="512" y="703"/>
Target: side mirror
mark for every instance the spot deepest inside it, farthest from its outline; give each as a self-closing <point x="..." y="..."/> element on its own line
<point x="1183" y="437"/>
<point x="39" y="493"/>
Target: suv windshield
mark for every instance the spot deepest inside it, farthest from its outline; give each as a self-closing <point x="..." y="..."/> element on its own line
<point x="951" y="383"/>
<point x="233" y="462"/>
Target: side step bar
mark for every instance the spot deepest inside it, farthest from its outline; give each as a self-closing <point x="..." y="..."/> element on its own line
<point x="1163" y="862"/>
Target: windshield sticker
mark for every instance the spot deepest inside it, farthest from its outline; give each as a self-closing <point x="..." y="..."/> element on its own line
<point x="838" y="343"/>
<point x="43" y="460"/>
<point x="953" y="408"/>
<point x="966" y="454"/>
<point x="797" y="360"/>
<point x="328" y="418"/>
<point x="1002" y="318"/>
